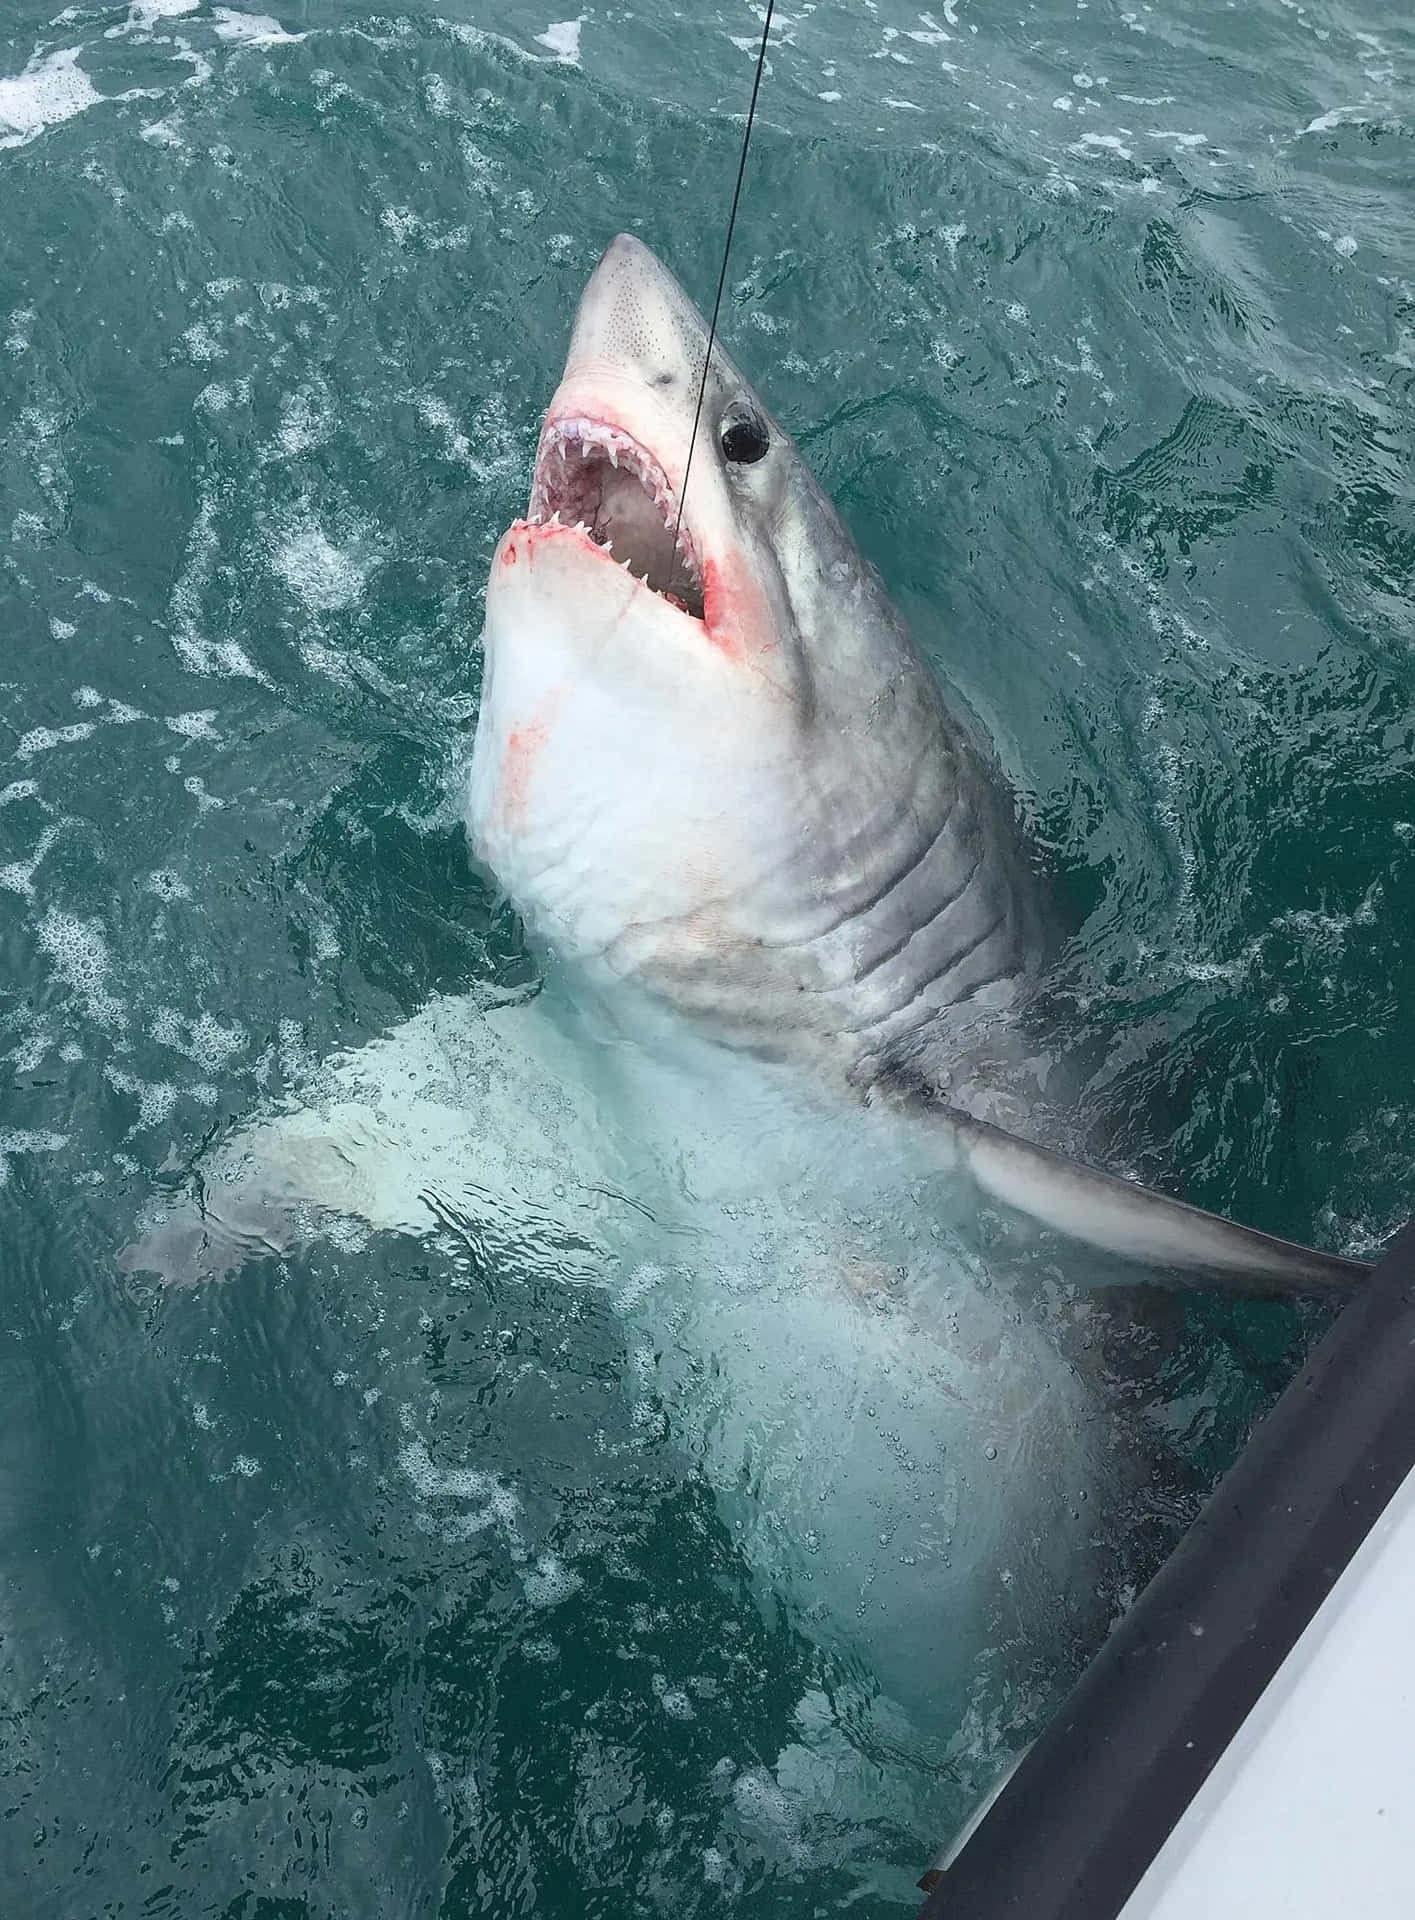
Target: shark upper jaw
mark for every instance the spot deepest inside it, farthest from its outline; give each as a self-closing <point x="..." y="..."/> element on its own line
<point x="597" y="485"/>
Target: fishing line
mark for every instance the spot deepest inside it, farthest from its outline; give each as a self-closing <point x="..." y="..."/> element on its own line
<point x="722" y="276"/>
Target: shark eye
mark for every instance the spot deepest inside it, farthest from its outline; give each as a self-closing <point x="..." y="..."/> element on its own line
<point x="743" y="434"/>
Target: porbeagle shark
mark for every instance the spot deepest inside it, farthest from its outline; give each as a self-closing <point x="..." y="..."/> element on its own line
<point x="715" y="775"/>
<point x="711" y="761"/>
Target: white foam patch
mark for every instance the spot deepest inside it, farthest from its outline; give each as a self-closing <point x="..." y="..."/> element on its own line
<point x="211" y="1044"/>
<point x="43" y="739"/>
<point x="217" y="656"/>
<point x="715" y="1867"/>
<point x="201" y="343"/>
<point x="305" y="421"/>
<point x="676" y="1704"/>
<point x="252" y="29"/>
<point x="637" y="1288"/>
<point x="489" y="1503"/>
<point x="437" y="96"/>
<point x="563" y="39"/>
<point x="763" y="1807"/>
<point x="17" y="340"/>
<point x="407" y="226"/>
<point x="401" y="222"/>
<point x="81" y="960"/>
<point x="144" y="15"/>
<point x="436" y="414"/>
<point x="167" y="885"/>
<point x="30" y="1050"/>
<point x="194" y="726"/>
<point x="203" y="1040"/>
<point x="155" y="1098"/>
<point x="325" y="660"/>
<point x="452" y="1483"/>
<point x="50" y="90"/>
<point x="548" y="1582"/>
<point x="196" y="652"/>
<point x="1106" y="142"/>
<point x="276" y="297"/>
<point x="24" y="1140"/>
<point x="18" y="876"/>
<point x="324" y="576"/>
<point x="198" y="77"/>
<point x="196" y="787"/>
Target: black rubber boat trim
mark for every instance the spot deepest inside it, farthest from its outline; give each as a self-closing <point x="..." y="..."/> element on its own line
<point x="1093" y="1801"/>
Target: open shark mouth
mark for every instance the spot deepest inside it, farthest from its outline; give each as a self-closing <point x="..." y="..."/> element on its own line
<point x="598" y="479"/>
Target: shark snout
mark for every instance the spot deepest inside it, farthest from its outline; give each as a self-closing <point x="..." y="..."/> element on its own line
<point x="635" y="323"/>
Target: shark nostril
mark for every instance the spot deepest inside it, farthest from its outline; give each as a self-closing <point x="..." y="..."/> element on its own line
<point x="662" y="380"/>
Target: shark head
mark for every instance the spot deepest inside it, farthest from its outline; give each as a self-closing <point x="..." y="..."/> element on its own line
<point x="709" y="756"/>
<point x="753" y="560"/>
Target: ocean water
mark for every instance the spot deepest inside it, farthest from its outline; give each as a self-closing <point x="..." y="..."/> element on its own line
<point x="538" y="1540"/>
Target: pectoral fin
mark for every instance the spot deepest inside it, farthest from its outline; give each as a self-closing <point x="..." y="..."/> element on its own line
<point x="1132" y="1222"/>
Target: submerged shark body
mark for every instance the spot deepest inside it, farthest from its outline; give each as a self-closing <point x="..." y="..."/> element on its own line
<point x="909" y="1465"/>
<point x="710" y="761"/>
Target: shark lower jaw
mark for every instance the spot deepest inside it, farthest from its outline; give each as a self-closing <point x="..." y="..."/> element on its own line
<point x="594" y="483"/>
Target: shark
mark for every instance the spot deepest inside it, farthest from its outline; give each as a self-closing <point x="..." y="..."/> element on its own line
<point x="712" y="765"/>
<point x="778" y="1062"/>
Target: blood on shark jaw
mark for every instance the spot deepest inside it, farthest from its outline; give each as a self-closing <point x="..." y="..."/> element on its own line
<point x="599" y="480"/>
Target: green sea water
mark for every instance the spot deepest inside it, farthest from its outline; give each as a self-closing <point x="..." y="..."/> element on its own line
<point x="360" y="1583"/>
